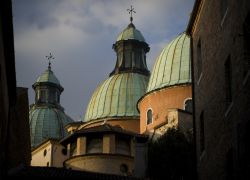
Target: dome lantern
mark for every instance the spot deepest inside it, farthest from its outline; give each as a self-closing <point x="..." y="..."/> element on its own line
<point x="46" y="117"/>
<point x="131" y="49"/>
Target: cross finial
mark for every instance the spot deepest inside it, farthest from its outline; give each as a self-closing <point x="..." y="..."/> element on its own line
<point x="131" y="11"/>
<point x="49" y="58"/>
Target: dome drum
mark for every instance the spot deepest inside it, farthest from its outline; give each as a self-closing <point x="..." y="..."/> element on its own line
<point x="169" y="85"/>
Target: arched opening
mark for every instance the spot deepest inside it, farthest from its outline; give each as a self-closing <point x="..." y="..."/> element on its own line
<point x="149" y="116"/>
<point x="188" y="105"/>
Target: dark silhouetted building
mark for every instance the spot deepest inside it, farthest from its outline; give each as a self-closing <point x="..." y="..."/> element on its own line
<point x="220" y="31"/>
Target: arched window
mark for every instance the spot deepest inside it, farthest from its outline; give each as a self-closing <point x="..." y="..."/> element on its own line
<point x="188" y="105"/>
<point x="149" y="116"/>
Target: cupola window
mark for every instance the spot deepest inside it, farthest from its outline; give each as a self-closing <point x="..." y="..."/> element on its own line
<point x="122" y="146"/>
<point x="94" y="145"/>
<point x="127" y="57"/>
<point x="53" y="95"/>
<point x="149" y="116"/>
<point x="42" y="95"/>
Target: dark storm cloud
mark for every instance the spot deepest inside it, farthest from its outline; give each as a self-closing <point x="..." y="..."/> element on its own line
<point x="34" y="13"/>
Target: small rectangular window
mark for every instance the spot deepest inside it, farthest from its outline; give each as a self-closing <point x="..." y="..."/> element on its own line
<point x="42" y="95"/>
<point x="246" y="37"/>
<point x="228" y="81"/>
<point x="199" y="58"/>
<point x="202" y="132"/>
<point x="95" y="144"/>
<point x="52" y="94"/>
<point x="128" y="59"/>
<point x="122" y="146"/>
<point x="72" y="151"/>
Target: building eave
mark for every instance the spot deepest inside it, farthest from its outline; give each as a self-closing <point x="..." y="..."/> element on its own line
<point x="193" y="17"/>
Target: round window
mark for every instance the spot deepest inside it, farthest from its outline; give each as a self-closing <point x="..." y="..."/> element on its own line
<point x="64" y="151"/>
<point x="124" y="168"/>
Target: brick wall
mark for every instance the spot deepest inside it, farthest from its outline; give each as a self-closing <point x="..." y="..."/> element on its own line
<point x="221" y="37"/>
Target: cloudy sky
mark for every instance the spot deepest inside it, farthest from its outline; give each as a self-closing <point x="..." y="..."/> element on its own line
<point x="80" y="34"/>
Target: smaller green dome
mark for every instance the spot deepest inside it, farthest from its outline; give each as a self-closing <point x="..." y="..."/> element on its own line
<point x="130" y="33"/>
<point x="48" y="76"/>
<point x="47" y="122"/>
<point x="173" y="66"/>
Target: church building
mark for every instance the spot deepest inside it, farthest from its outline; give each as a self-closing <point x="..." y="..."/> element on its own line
<point x="125" y="111"/>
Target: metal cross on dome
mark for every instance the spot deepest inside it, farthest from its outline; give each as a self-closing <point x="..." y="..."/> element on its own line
<point x="49" y="58"/>
<point x="131" y="11"/>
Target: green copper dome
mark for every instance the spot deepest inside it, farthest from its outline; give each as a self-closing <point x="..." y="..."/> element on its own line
<point x="46" y="117"/>
<point x="173" y="66"/>
<point x="117" y="96"/>
<point x="47" y="122"/>
<point x="48" y="76"/>
<point x="130" y="33"/>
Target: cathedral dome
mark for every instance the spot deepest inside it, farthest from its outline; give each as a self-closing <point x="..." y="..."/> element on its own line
<point x="46" y="117"/>
<point x="173" y="66"/>
<point x="47" y="122"/>
<point x="130" y="33"/>
<point x="117" y="97"/>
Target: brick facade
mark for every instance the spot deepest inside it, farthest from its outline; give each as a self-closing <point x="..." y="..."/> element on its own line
<point x="221" y="89"/>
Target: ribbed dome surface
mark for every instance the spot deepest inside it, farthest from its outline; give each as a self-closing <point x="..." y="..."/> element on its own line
<point x="47" y="122"/>
<point x="130" y="33"/>
<point x="117" y="96"/>
<point x="48" y="76"/>
<point x="173" y="66"/>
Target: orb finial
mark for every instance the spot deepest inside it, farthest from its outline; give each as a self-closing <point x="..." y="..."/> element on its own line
<point x="49" y="58"/>
<point x="131" y="11"/>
